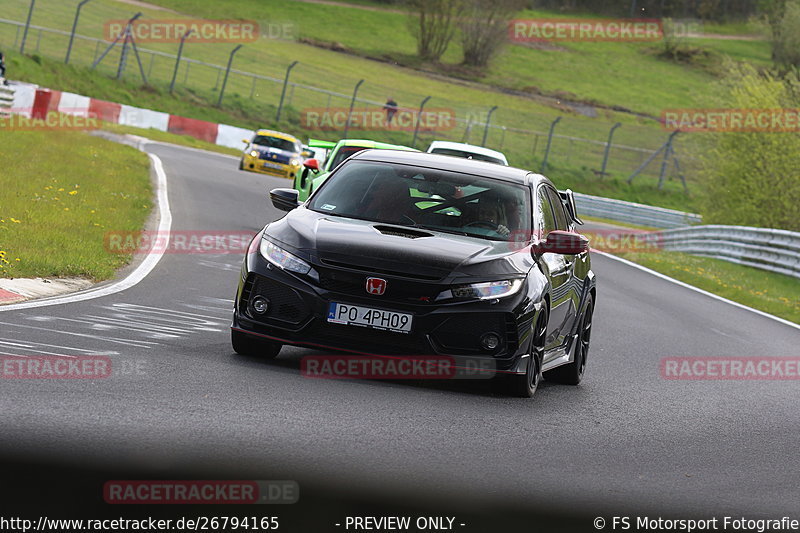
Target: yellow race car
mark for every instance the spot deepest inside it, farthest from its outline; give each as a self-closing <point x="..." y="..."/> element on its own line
<point x="273" y="152"/>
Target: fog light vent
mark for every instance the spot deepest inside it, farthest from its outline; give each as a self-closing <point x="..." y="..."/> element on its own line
<point x="490" y="341"/>
<point x="260" y="305"/>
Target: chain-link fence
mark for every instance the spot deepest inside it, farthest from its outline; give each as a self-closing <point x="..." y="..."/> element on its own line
<point x="529" y="137"/>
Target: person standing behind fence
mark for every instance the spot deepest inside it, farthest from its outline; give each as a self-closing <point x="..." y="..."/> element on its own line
<point x="3" y="67"/>
<point x="391" y="108"/>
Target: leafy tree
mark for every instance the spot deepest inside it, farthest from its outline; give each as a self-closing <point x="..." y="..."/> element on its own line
<point x="432" y="23"/>
<point x="753" y="178"/>
<point x="484" y="28"/>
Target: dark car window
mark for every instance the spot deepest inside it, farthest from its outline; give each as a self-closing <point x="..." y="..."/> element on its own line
<point x="276" y="142"/>
<point x="558" y="209"/>
<point x="544" y="214"/>
<point x="343" y="153"/>
<point x="425" y="198"/>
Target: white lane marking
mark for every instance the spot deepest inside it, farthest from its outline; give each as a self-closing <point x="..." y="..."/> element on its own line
<point x="144" y="268"/>
<point x="701" y="291"/>
<point x="42" y="352"/>
<point x="137" y="344"/>
<point x="219" y="266"/>
<point x="31" y="344"/>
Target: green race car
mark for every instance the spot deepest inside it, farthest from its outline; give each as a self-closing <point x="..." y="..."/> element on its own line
<point x="312" y="176"/>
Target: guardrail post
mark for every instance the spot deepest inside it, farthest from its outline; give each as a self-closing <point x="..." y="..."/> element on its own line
<point x="74" y="27"/>
<point x="283" y="91"/>
<point x="352" y="103"/>
<point x="419" y="118"/>
<point x="27" y="27"/>
<point x="486" y="127"/>
<point x="227" y="73"/>
<point x="178" y="61"/>
<point x="608" y="149"/>
<point x="549" y="143"/>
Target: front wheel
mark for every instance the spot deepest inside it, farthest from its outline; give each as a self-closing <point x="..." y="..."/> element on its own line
<point x="572" y="373"/>
<point x="246" y="345"/>
<point x="525" y="385"/>
<point x="241" y="164"/>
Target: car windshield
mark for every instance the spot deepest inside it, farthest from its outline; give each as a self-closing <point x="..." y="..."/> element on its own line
<point x="275" y="142"/>
<point x="467" y="155"/>
<point x="426" y="198"/>
<point x="343" y="153"/>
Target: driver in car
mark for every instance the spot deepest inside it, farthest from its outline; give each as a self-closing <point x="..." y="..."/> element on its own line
<point x="495" y="211"/>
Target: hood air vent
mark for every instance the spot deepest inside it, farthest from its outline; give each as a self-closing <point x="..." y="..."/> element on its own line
<point x="397" y="231"/>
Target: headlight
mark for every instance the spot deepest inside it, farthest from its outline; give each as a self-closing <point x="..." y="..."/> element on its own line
<point x="296" y="161"/>
<point x="482" y="291"/>
<point x="283" y="259"/>
<point x="254" y="153"/>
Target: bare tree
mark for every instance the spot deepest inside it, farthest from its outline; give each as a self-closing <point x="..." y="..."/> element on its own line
<point x="432" y="22"/>
<point x="484" y="28"/>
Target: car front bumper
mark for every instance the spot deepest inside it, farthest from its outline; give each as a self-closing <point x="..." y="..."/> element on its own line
<point x="299" y="309"/>
<point x="254" y="164"/>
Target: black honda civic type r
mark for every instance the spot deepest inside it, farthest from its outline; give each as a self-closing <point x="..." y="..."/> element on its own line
<point x="415" y="254"/>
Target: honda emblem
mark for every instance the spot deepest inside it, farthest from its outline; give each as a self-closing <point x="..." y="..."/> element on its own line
<point x="376" y="286"/>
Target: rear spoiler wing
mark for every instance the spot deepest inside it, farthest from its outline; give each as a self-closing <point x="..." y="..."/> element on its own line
<point x="314" y="143"/>
<point x="568" y="200"/>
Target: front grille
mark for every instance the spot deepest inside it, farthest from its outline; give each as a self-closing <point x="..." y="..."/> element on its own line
<point x="462" y="333"/>
<point x="275" y="158"/>
<point x="354" y="283"/>
<point x="286" y="305"/>
<point x="373" y="271"/>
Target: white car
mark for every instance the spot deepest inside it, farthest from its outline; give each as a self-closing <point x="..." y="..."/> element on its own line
<point x="467" y="151"/>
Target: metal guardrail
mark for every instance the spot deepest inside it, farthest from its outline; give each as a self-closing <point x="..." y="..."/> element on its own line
<point x="632" y="213"/>
<point x="774" y="250"/>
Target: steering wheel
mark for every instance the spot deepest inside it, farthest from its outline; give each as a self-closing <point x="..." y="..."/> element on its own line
<point x="485" y="223"/>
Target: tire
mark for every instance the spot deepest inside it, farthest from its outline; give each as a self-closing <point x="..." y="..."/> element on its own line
<point x="245" y="345"/>
<point x="241" y="164"/>
<point x="572" y="373"/>
<point x="525" y="385"/>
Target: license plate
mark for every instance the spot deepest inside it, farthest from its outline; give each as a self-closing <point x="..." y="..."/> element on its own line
<point x="273" y="165"/>
<point x="355" y="315"/>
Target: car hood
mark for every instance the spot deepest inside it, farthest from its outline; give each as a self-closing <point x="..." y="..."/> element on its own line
<point x="339" y="241"/>
<point x="270" y="150"/>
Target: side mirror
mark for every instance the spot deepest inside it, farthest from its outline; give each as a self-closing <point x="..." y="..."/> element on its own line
<point x="306" y="153"/>
<point x="562" y="242"/>
<point x="284" y="199"/>
<point x="311" y="164"/>
<point x="245" y="141"/>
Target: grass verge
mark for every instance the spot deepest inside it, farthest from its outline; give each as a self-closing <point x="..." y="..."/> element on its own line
<point x="772" y="293"/>
<point x="60" y="192"/>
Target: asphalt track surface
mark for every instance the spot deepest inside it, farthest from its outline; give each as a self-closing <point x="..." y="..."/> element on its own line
<point x="181" y="402"/>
